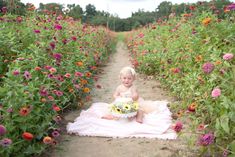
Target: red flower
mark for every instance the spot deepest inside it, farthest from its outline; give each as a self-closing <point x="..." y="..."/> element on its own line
<point x="178" y="126"/>
<point x="27" y="136"/>
<point x="56" y="108"/>
<point x="24" y="111"/>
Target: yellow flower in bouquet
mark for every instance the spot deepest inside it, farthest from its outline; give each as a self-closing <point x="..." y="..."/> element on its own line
<point x="124" y="109"/>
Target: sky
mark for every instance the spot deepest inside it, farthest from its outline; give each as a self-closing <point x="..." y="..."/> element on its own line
<point x="121" y="8"/>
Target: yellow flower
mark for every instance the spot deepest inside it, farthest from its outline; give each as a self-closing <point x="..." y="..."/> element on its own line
<point x="118" y="110"/>
<point x="135" y="105"/>
<point x="127" y="107"/>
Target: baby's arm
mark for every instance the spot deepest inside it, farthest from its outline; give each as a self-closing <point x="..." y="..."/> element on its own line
<point x="116" y="94"/>
<point x="134" y="94"/>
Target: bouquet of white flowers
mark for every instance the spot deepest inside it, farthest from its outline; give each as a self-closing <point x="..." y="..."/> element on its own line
<point x="124" y="108"/>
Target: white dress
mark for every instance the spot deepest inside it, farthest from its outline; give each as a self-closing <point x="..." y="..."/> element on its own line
<point x="157" y="122"/>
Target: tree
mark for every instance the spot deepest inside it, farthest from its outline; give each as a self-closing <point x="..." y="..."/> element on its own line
<point x="90" y="12"/>
<point x="164" y="9"/>
<point x="75" y="11"/>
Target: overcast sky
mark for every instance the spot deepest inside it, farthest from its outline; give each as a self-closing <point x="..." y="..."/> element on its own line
<point x="122" y="8"/>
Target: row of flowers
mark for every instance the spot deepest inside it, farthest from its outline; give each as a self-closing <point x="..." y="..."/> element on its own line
<point x="192" y="57"/>
<point x="51" y="64"/>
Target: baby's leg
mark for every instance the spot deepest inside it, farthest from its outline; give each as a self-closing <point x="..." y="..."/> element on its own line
<point x="109" y="117"/>
<point x="140" y="116"/>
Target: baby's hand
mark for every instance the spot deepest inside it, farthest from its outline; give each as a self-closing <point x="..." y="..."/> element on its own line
<point x="135" y="97"/>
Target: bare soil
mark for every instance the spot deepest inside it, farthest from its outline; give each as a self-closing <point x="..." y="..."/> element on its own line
<point x="149" y="89"/>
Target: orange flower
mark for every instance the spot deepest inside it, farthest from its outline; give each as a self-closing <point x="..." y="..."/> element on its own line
<point x="43" y="100"/>
<point x="192" y="107"/>
<point x="206" y="21"/>
<point x="200" y="79"/>
<point x="84" y="81"/>
<point x="86" y="90"/>
<point x="70" y="90"/>
<point x="47" y="140"/>
<point x="79" y="63"/>
<point x="88" y="74"/>
<point x="198" y="58"/>
<point x="24" y="111"/>
<point x="218" y="62"/>
<point x="37" y="68"/>
<point x="27" y="136"/>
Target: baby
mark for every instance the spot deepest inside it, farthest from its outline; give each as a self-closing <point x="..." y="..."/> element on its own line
<point x="127" y="90"/>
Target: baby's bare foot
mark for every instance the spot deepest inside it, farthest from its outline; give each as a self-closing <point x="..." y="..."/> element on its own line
<point x="139" y="120"/>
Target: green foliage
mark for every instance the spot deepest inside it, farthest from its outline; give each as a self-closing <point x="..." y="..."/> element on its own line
<point x="176" y="52"/>
<point x="49" y="64"/>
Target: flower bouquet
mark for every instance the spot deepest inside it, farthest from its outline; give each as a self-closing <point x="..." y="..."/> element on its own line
<point x="124" y="108"/>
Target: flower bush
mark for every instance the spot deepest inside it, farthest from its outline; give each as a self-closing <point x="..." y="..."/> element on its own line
<point x="193" y="56"/>
<point x="49" y="63"/>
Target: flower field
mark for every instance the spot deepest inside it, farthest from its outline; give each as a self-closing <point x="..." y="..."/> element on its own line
<point x="48" y="63"/>
<point x="193" y="56"/>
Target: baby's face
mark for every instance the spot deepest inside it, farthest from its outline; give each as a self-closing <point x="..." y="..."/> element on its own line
<point x="127" y="79"/>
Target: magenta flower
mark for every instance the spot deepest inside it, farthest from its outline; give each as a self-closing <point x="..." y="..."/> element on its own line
<point x="74" y="38"/>
<point x="57" y="27"/>
<point x="59" y="93"/>
<point x="27" y="75"/>
<point x="64" y="41"/>
<point x="60" y="78"/>
<point x="2" y="130"/>
<point x="78" y="74"/>
<point x="4" y="10"/>
<point x="55" y="133"/>
<point x="231" y="6"/>
<point x="52" y="44"/>
<point x="16" y="72"/>
<point x="43" y="92"/>
<point x="178" y="126"/>
<point x="228" y="56"/>
<point x="208" y="67"/>
<point x="37" y="31"/>
<point x="206" y="139"/>
<point x="57" y="56"/>
<point x="5" y="142"/>
<point x="216" y="92"/>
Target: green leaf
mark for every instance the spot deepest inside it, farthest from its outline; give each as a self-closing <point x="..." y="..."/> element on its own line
<point x="224" y="122"/>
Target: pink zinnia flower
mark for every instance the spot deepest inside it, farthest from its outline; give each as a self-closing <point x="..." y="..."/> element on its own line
<point x="78" y="74"/>
<point x="59" y="93"/>
<point x="27" y="75"/>
<point x="57" y="56"/>
<point x="178" y="126"/>
<point x="37" y="31"/>
<point x="216" y="92"/>
<point x="74" y="38"/>
<point x="16" y="72"/>
<point x="55" y="133"/>
<point x="57" y="27"/>
<point x="228" y="56"/>
<point x="208" y="67"/>
<point x="206" y="139"/>
<point x="2" y="130"/>
<point x="52" y="44"/>
<point x="43" y="92"/>
<point x="5" y="142"/>
<point x="67" y="75"/>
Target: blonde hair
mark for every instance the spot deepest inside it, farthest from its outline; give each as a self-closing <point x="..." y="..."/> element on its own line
<point x="128" y="70"/>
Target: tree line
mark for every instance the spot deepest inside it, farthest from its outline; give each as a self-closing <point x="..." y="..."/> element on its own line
<point x="95" y="17"/>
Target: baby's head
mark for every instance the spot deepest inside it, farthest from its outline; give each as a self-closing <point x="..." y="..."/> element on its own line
<point x="128" y="71"/>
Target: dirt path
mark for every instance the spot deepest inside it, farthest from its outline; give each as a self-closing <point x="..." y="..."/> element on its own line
<point x="75" y="146"/>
